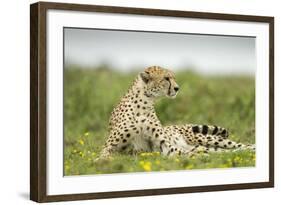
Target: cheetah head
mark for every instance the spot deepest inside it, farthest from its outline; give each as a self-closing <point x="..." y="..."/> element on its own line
<point x="158" y="82"/>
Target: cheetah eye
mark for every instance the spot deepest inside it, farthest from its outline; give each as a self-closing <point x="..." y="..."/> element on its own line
<point x="167" y="78"/>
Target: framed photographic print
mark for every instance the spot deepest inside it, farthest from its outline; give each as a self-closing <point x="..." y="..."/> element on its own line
<point x="134" y="102"/>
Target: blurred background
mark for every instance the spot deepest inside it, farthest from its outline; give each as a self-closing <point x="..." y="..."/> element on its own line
<point x="128" y="50"/>
<point x="216" y="75"/>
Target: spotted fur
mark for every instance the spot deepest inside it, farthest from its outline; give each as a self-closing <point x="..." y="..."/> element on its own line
<point x="135" y="127"/>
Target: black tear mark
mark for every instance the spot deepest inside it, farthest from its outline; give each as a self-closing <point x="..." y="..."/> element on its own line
<point x="169" y="89"/>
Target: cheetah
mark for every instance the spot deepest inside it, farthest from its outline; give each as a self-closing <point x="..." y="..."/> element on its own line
<point x="134" y="126"/>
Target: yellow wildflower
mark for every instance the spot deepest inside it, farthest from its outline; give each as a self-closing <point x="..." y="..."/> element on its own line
<point x="87" y="134"/>
<point x="147" y="166"/>
<point x="82" y="154"/>
<point x="237" y="159"/>
<point x="143" y="154"/>
<point x="81" y="141"/>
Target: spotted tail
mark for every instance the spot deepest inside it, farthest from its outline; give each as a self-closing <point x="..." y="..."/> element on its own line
<point x="210" y="130"/>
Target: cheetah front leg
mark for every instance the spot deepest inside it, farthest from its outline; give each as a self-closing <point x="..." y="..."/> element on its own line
<point x="118" y="141"/>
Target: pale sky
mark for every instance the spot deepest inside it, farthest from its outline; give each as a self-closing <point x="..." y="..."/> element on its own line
<point x="126" y="50"/>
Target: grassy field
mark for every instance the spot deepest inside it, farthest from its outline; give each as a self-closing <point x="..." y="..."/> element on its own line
<point x="90" y="95"/>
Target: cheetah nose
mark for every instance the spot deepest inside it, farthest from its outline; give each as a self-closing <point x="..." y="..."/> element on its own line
<point x="176" y="88"/>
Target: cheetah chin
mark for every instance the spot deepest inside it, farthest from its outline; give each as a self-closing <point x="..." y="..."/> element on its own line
<point x="172" y="96"/>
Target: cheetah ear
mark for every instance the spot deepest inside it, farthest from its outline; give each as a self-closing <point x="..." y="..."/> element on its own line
<point x="145" y="76"/>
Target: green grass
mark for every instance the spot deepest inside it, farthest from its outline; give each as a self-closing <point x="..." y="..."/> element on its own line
<point x="90" y="96"/>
